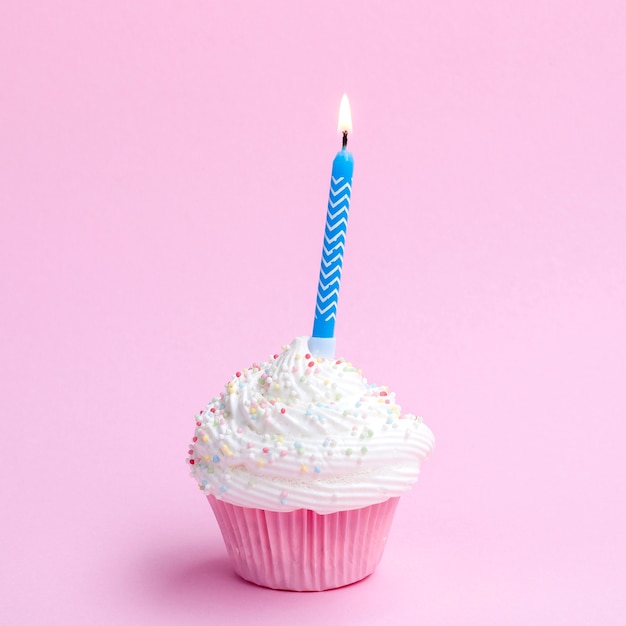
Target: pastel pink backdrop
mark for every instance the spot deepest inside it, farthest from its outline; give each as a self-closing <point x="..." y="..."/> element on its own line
<point x="164" y="171"/>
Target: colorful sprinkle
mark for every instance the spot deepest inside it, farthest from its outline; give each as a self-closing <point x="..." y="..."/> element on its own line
<point x="319" y="389"/>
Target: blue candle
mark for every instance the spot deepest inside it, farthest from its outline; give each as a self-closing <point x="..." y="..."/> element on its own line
<point x="322" y="342"/>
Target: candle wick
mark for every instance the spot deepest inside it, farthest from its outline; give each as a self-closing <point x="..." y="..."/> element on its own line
<point x="344" y="141"/>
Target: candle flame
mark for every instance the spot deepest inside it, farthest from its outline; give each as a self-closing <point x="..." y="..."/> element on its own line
<point x="345" y="116"/>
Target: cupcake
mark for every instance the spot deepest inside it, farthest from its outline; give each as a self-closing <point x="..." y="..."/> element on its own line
<point x="303" y="463"/>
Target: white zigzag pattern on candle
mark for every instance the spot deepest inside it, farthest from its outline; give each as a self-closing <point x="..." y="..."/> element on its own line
<point x="333" y="248"/>
<point x="325" y="275"/>
<point x="335" y="192"/>
<point x="332" y="204"/>
<point x="327" y="264"/>
<point x="330" y="306"/>
<point x="328" y="252"/>
<point x="330" y="284"/>
<point x="338" y="223"/>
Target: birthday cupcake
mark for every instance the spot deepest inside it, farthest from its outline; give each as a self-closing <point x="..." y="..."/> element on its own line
<point x="303" y="463"/>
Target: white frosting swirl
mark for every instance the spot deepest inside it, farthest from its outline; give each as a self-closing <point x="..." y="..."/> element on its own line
<point x="303" y="432"/>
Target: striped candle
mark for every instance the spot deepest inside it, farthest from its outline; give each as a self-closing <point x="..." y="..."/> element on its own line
<point x="322" y="342"/>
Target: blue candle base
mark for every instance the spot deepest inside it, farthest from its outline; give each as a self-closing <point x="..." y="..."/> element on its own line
<point x="322" y="346"/>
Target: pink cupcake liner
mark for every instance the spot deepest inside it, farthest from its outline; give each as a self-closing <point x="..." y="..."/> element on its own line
<point x="303" y="550"/>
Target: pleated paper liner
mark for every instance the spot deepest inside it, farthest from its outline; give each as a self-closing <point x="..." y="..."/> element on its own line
<point x="303" y="550"/>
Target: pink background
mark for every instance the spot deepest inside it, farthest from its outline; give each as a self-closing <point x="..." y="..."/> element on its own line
<point x="164" y="172"/>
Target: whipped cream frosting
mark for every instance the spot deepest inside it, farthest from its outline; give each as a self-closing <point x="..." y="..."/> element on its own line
<point x="299" y="431"/>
